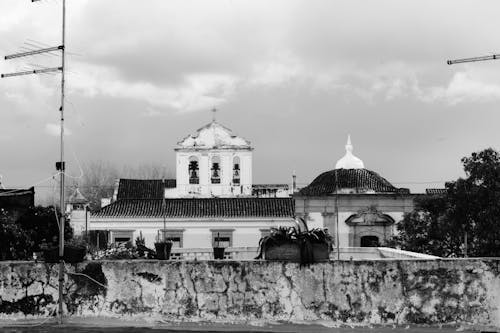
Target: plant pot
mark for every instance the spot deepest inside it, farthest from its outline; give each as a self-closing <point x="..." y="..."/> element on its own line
<point x="51" y="255"/>
<point x="321" y="252"/>
<point x="72" y="254"/>
<point x="218" y="253"/>
<point x="283" y="252"/>
<point x="163" y="250"/>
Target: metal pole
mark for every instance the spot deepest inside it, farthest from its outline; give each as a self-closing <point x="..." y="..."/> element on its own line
<point x="337" y="216"/>
<point x="86" y="225"/>
<point x="465" y="247"/>
<point x="61" y="208"/>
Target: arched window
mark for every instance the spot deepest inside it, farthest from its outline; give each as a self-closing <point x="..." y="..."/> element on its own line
<point x="236" y="170"/>
<point x="193" y="170"/>
<point x="215" y="170"/>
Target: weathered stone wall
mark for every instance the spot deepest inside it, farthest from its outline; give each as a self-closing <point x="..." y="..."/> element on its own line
<point x="399" y="292"/>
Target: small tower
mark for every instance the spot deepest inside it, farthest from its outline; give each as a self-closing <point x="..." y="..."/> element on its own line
<point x="77" y="209"/>
<point x="214" y="163"/>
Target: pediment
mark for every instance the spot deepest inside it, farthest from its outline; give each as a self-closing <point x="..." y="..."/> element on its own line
<point x="368" y="217"/>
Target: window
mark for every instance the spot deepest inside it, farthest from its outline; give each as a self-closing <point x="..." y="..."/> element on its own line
<point x="175" y="236"/>
<point x="369" y="241"/>
<point x="215" y="171"/>
<point x="193" y="171"/>
<point x="236" y="170"/>
<point x="122" y="236"/>
<point x="222" y="238"/>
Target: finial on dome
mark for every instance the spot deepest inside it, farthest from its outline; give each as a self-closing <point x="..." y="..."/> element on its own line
<point x="348" y="146"/>
<point x="349" y="161"/>
<point x="214" y="110"/>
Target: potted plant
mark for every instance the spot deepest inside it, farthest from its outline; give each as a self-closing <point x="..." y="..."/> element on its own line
<point x="280" y="244"/>
<point x="290" y="244"/>
<point x="162" y="247"/>
<point x="74" y="251"/>
<point x="140" y="243"/>
<point x="315" y="245"/>
<point x="50" y="251"/>
<point x="218" y="250"/>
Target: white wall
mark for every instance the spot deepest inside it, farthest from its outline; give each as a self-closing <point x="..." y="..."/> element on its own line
<point x="196" y="234"/>
<point x="205" y="188"/>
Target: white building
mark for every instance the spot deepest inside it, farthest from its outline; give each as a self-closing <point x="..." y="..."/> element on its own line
<point x="357" y="205"/>
<point x="213" y="163"/>
<point x="211" y="202"/>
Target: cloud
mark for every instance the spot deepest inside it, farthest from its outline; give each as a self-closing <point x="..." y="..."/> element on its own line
<point x="464" y="87"/>
<point x="55" y="130"/>
<point x="195" y="92"/>
<point x="277" y="70"/>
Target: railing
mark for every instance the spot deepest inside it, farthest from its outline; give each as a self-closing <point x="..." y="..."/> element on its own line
<point x="207" y="253"/>
<point x="346" y="253"/>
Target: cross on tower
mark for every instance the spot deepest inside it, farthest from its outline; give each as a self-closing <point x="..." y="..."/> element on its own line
<point x="214" y="110"/>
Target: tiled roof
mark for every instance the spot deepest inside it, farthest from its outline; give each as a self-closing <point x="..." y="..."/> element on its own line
<point x="201" y="208"/>
<point x="17" y="198"/>
<point x="361" y="180"/>
<point x="143" y="189"/>
<point x="435" y="191"/>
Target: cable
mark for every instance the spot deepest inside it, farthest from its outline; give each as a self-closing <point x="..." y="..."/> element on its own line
<point x="33" y="185"/>
<point x="95" y="281"/>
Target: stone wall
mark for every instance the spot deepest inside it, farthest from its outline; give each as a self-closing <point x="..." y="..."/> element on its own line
<point x="370" y="292"/>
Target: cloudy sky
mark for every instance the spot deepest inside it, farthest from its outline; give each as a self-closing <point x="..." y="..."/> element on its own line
<point x="293" y="77"/>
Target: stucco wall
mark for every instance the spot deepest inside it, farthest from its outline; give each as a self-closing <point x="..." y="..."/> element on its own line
<point x="399" y="292"/>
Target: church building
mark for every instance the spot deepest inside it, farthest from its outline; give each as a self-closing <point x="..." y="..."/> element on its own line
<point x="212" y="202"/>
<point x="357" y="205"/>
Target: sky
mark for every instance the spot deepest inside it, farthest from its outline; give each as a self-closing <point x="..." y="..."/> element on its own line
<point x="293" y="77"/>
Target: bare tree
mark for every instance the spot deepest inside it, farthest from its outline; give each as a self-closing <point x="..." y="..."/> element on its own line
<point x="99" y="178"/>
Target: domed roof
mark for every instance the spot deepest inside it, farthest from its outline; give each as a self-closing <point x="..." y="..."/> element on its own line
<point x="356" y="180"/>
<point x="77" y="197"/>
<point x="213" y="136"/>
<point x="349" y="161"/>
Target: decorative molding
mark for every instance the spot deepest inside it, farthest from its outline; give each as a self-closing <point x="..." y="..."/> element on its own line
<point x="370" y="217"/>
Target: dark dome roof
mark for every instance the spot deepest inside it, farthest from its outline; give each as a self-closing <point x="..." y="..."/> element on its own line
<point x="361" y="180"/>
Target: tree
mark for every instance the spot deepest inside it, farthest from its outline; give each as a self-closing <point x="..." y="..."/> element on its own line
<point x="99" y="178"/>
<point x="465" y="220"/>
<point x="22" y="236"/>
<point x="15" y="242"/>
<point x="41" y="224"/>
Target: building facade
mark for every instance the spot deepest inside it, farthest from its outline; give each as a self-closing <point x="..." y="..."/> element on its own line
<point x="212" y="201"/>
<point x="356" y="205"/>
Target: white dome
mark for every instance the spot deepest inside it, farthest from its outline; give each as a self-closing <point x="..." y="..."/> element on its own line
<point x="213" y="136"/>
<point x="349" y="161"/>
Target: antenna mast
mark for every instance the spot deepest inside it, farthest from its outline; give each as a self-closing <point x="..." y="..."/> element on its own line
<point x="60" y="166"/>
<point x="474" y="59"/>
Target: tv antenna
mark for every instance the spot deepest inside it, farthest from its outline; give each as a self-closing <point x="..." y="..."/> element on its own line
<point x="474" y="59"/>
<point x="60" y="166"/>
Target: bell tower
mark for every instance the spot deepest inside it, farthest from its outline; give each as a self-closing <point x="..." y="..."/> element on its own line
<point x="213" y="163"/>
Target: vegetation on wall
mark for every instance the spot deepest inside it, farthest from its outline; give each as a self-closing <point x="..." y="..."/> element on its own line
<point x="22" y="236"/>
<point x="464" y="221"/>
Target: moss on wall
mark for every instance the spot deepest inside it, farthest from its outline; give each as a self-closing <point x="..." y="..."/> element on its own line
<point x="370" y="292"/>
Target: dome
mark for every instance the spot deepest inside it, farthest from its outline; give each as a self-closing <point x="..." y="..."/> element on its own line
<point x="77" y="197"/>
<point x="352" y="180"/>
<point x="349" y="161"/>
<point x="213" y="136"/>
